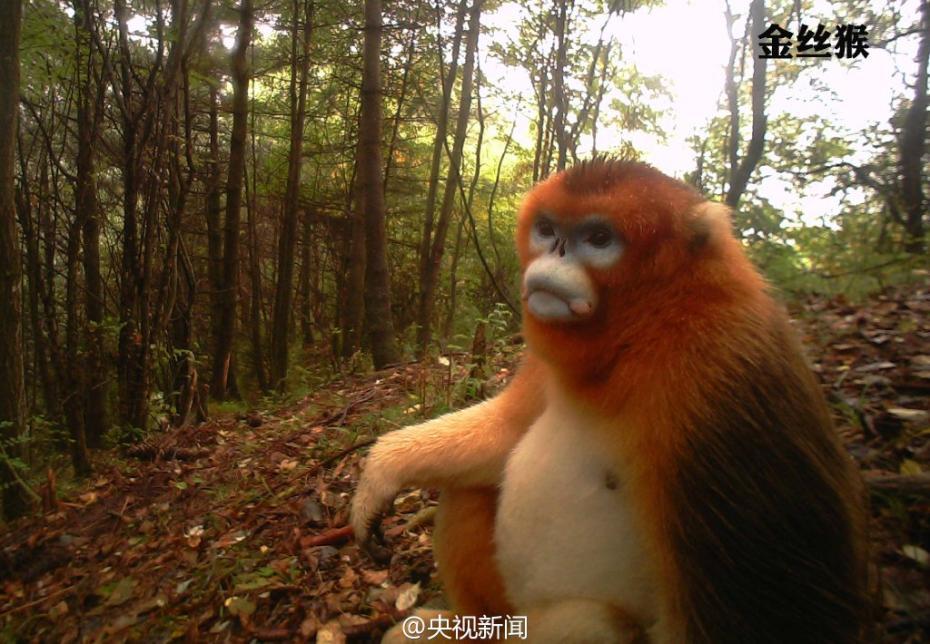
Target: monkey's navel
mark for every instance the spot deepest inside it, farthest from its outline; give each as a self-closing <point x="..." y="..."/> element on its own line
<point x="610" y="481"/>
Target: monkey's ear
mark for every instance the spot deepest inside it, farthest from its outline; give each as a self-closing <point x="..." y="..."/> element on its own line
<point x="708" y="223"/>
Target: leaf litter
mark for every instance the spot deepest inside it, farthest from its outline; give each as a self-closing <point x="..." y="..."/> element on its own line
<point x="235" y="529"/>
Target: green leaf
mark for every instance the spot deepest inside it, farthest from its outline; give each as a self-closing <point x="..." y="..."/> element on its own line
<point x="240" y="606"/>
<point x="121" y="592"/>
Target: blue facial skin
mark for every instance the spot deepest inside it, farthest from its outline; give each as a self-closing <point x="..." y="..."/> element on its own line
<point x="556" y="285"/>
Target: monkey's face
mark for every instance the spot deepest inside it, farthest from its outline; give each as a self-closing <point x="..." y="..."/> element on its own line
<point x="558" y="284"/>
<point x="601" y="246"/>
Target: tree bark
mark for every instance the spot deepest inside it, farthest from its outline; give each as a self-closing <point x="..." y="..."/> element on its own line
<point x="401" y="102"/>
<point x="214" y="217"/>
<point x="913" y="144"/>
<point x="223" y="355"/>
<point x="255" y="286"/>
<point x="300" y="67"/>
<point x="742" y="170"/>
<point x="442" y="126"/>
<point x="305" y="279"/>
<point x="560" y="99"/>
<point x="371" y="196"/>
<point x="89" y="105"/>
<point x="430" y="277"/>
<point x="12" y="387"/>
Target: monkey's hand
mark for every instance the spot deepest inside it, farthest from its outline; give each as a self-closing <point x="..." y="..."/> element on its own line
<point x="466" y="448"/>
<point x="463" y="448"/>
<point x="377" y="488"/>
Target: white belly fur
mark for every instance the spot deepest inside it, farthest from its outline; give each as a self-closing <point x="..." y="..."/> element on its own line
<point x="561" y="532"/>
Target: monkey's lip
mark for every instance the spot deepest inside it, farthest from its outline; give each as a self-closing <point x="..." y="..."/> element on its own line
<point x="553" y="307"/>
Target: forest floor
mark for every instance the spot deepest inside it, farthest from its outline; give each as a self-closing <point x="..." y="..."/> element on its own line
<point x="234" y="530"/>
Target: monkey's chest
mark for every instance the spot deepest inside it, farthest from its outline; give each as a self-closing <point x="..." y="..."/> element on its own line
<point x="565" y="527"/>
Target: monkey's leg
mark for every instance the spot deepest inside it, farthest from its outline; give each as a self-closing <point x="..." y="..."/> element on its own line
<point x="582" y="621"/>
<point x="463" y="544"/>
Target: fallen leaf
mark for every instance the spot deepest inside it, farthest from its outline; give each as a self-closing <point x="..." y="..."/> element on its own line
<point x="909" y="415"/>
<point x="375" y="577"/>
<point x="241" y="607"/>
<point x="920" y="361"/>
<point x="407" y="598"/>
<point x="330" y="633"/>
<point x="909" y="467"/>
<point x="121" y="592"/>
<point x="58" y="610"/>
<point x="348" y="579"/>
<point x="309" y="626"/>
<point x="916" y="553"/>
<point x="876" y="366"/>
<point x="88" y="498"/>
<point x="194" y="535"/>
<point x="312" y="512"/>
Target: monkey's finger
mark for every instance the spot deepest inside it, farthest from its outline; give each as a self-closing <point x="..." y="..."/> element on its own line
<point x="374" y="544"/>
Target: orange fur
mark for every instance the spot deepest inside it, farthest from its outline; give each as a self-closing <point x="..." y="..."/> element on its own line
<point x="464" y="549"/>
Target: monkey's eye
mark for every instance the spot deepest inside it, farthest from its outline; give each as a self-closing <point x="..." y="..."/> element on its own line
<point x="544" y="228"/>
<point x="599" y="237"/>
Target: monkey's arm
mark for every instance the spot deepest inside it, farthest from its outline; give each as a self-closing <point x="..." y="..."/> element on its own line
<point x="466" y="448"/>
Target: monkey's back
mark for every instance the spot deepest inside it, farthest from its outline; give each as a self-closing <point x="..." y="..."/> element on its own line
<point x="765" y="520"/>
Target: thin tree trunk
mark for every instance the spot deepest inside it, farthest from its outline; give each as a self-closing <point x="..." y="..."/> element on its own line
<point x="29" y="218"/>
<point x="541" y="114"/>
<point x="353" y="289"/>
<point x="138" y="123"/>
<point x="913" y="144"/>
<point x="559" y="96"/>
<point x="430" y="278"/>
<point x="300" y="67"/>
<point x="401" y="101"/>
<point x="371" y="192"/>
<point x="442" y="126"/>
<point x="12" y="387"/>
<point x="73" y="370"/>
<point x="447" y="327"/>
<point x="255" y="288"/>
<point x="223" y="356"/>
<point x="306" y="290"/>
<point x="87" y="212"/>
<point x="214" y="217"/>
<point x="740" y="173"/>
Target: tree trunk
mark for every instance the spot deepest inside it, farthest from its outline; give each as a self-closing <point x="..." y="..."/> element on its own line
<point x="442" y="126"/>
<point x="29" y="218"/>
<point x="89" y="104"/>
<point x="214" y="217"/>
<point x="300" y="66"/>
<point x="913" y="144"/>
<point x="223" y="355"/>
<point x="430" y="278"/>
<point x="12" y="388"/>
<point x="559" y="96"/>
<point x="353" y="291"/>
<point x="371" y="196"/>
<point x="255" y="288"/>
<point x="741" y="171"/>
<point x="401" y="102"/>
<point x="306" y="287"/>
<point x="73" y="370"/>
